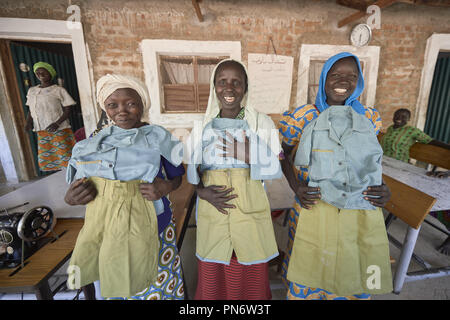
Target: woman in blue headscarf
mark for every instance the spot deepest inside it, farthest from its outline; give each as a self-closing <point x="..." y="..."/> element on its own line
<point x="341" y="83"/>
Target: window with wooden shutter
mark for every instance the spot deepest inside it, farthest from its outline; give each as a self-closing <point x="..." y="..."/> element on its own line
<point x="185" y="82"/>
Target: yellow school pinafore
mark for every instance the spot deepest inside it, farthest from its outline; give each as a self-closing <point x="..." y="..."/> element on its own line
<point x="247" y="229"/>
<point x="119" y="243"/>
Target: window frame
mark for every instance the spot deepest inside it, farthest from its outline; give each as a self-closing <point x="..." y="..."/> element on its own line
<point x="370" y="55"/>
<point x="152" y="49"/>
<point x="196" y="61"/>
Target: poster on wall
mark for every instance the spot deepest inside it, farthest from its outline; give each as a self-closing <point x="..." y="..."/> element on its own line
<point x="270" y="79"/>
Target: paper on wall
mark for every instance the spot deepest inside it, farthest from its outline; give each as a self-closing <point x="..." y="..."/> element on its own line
<point x="270" y="79"/>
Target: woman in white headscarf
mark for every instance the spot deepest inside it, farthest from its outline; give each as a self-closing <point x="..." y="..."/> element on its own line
<point x="134" y="257"/>
<point x="232" y="154"/>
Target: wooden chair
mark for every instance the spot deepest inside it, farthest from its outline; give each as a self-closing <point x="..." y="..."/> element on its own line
<point x="434" y="155"/>
<point x="183" y="201"/>
<point x="411" y="206"/>
<point x="407" y="203"/>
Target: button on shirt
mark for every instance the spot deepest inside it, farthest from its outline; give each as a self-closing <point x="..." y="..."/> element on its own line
<point x="120" y="154"/>
<point x="343" y="155"/>
<point x="264" y="165"/>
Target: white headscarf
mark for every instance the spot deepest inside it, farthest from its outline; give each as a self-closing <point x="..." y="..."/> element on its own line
<point x="109" y="83"/>
<point x="258" y="122"/>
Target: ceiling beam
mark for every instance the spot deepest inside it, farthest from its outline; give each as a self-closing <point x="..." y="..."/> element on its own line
<point x="360" y="14"/>
<point x="434" y="3"/>
<point x="358" y="5"/>
<point x="196" y="5"/>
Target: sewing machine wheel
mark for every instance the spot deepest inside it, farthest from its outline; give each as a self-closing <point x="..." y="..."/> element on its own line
<point x="36" y="223"/>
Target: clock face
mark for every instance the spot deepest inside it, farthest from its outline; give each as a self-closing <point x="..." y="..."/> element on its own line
<point x="361" y="35"/>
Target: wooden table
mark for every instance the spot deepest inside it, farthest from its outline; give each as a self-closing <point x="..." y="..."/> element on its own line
<point x="43" y="263"/>
<point x="182" y="203"/>
<point x="436" y="192"/>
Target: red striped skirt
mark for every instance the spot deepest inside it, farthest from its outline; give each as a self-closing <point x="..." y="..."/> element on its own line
<point x="217" y="281"/>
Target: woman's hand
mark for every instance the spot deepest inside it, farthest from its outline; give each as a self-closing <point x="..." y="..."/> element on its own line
<point x="28" y="123"/>
<point x="218" y="196"/>
<point x="80" y="192"/>
<point x="156" y="190"/>
<point x="382" y="193"/>
<point x="438" y="174"/>
<point x="308" y="196"/>
<point x="28" y="126"/>
<point x="235" y="149"/>
<point x="52" y="127"/>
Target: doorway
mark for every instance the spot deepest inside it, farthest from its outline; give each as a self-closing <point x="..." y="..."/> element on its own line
<point x="438" y="113"/>
<point x="19" y="58"/>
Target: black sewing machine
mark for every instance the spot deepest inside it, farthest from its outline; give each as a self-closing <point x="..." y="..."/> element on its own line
<point x="22" y="233"/>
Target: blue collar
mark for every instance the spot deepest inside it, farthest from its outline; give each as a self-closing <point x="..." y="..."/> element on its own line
<point x="122" y="138"/>
<point x="358" y="122"/>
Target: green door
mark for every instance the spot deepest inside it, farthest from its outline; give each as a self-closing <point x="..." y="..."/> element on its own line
<point x="437" y="124"/>
<point x="24" y="57"/>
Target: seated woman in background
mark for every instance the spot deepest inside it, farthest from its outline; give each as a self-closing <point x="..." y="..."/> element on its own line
<point x="399" y="137"/>
<point x="396" y="143"/>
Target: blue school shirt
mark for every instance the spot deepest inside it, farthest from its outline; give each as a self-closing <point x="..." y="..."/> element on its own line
<point x="125" y="155"/>
<point x="343" y="155"/>
<point x="264" y="164"/>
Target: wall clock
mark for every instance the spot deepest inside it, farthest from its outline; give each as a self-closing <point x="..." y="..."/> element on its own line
<point x="361" y="35"/>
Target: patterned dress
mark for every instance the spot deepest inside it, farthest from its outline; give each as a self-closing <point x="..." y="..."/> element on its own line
<point x="54" y="148"/>
<point x="292" y="125"/>
<point x="397" y="142"/>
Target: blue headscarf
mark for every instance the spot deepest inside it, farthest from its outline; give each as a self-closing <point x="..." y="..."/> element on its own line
<point x="321" y="99"/>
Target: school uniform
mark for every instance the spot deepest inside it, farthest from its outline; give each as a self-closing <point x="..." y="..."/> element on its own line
<point x="119" y="242"/>
<point x="247" y="230"/>
<point x="233" y="250"/>
<point x="343" y="236"/>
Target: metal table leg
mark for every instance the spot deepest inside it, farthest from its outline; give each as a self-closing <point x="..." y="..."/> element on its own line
<point x="43" y="291"/>
<point x="405" y="258"/>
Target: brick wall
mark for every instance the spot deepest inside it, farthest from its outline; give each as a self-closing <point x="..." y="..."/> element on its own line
<point x="113" y="31"/>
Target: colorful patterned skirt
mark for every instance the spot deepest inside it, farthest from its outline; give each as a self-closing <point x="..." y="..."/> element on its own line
<point x="217" y="281"/>
<point x="169" y="284"/>
<point x="443" y="217"/>
<point x="54" y="149"/>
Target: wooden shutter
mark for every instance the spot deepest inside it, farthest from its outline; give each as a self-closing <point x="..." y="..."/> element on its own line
<point x="179" y="97"/>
